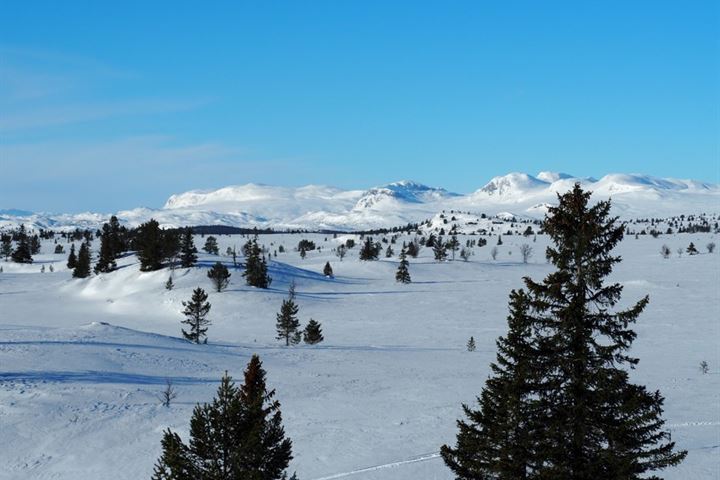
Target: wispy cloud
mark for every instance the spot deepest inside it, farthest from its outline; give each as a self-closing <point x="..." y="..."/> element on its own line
<point x="40" y="89"/>
<point x="30" y="118"/>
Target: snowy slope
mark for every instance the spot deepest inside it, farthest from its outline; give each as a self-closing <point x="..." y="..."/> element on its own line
<point x="316" y="207"/>
<point x="82" y="361"/>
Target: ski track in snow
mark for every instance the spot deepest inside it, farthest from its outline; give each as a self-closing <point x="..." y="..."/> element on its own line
<point x="419" y="458"/>
<point x="435" y="455"/>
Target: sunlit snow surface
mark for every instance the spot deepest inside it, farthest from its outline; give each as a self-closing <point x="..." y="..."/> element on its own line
<point x="82" y="361"/>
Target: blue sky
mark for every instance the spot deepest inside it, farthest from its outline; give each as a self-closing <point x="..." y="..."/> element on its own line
<point x="106" y="106"/>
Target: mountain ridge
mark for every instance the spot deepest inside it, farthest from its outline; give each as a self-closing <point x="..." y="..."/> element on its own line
<point x="316" y="207"/>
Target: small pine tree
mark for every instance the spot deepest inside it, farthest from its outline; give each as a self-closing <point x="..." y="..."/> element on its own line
<point x="665" y="252"/>
<point x="691" y="250"/>
<point x="6" y="247"/>
<point x="471" y="344"/>
<point x="188" y="252"/>
<point x="237" y="436"/>
<point x="82" y="266"/>
<point x="453" y="245"/>
<point x="220" y="276"/>
<point x="72" y="258"/>
<point x="288" y="325"/>
<point x="196" y="311"/>
<point x="389" y="252"/>
<point x="59" y="249"/>
<point x="169" y="284"/>
<point x="211" y="246"/>
<point x="327" y="270"/>
<point x="402" y="275"/>
<point x="23" y="251"/>
<point x="313" y="333"/>
<point x="440" y="250"/>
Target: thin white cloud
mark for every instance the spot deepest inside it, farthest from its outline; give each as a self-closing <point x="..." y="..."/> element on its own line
<point x="31" y="118"/>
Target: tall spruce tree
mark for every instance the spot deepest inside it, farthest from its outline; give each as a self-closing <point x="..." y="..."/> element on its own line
<point x="560" y="403"/>
<point x="82" y="265"/>
<point x="495" y="440"/>
<point x="219" y="276"/>
<point x="256" y="274"/>
<point x="188" y="252"/>
<point x="22" y="252"/>
<point x="196" y="311"/>
<point x="402" y="275"/>
<point x="72" y="257"/>
<point x="108" y="251"/>
<point x="239" y="436"/>
<point x="287" y="324"/>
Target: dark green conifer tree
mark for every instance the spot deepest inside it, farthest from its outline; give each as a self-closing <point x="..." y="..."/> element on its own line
<point x="72" y="258"/>
<point x="106" y="260"/>
<point x="239" y="436"/>
<point x="220" y="276"/>
<point x="211" y="246"/>
<point x="560" y="392"/>
<point x="327" y="270"/>
<point x="82" y="265"/>
<point x="196" y="311"/>
<point x="149" y="246"/>
<point x="22" y="252"/>
<point x="402" y="275"/>
<point x="495" y="440"/>
<point x="440" y="250"/>
<point x="313" y="333"/>
<point x="691" y="249"/>
<point x="287" y="324"/>
<point x="6" y="247"/>
<point x="35" y="245"/>
<point x="188" y="252"/>
<point x="256" y="274"/>
<point x="369" y="250"/>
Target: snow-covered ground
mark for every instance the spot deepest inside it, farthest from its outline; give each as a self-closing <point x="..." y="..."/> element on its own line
<point x="82" y="361"/>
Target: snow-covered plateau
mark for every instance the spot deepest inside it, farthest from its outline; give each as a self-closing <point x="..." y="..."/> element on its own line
<point x="317" y="208"/>
<point x="82" y="361"/>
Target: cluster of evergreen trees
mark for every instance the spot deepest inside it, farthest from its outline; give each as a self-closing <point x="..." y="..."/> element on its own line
<point x="113" y="242"/>
<point x="559" y="403"/>
<point x="370" y="250"/>
<point x="236" y="437"/>
<point x="25" y="246"/>
<point x="288" y="324"/>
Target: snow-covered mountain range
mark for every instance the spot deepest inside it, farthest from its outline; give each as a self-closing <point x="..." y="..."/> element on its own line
<point x="317" y="207"/>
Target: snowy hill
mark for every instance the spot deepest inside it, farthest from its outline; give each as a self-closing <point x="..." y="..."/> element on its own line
<point x="317" y="207"/>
